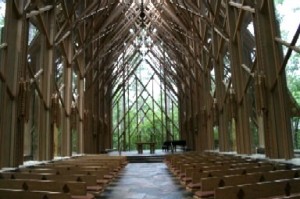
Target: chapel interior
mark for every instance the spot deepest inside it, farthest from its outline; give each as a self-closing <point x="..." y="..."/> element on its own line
<point x="149" y="99"/>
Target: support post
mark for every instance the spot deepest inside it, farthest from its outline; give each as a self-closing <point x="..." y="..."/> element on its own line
<point x="46" y="134"/>
<point x="238" y="98"/>
<point x="276" y="116"/>
<point x="81" y="114"/>
<point x="66" y="133"/>
<point x="11" y="138"/>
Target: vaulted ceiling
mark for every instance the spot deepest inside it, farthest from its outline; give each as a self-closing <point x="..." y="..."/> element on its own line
<point x="189" y="40"/>
<point x="172" y="32"/>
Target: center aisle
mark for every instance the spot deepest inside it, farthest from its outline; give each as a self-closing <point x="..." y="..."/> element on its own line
<point x="145" y="181"/>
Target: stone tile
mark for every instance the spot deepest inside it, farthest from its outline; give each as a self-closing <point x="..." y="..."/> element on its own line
<point x="146" y="181"/>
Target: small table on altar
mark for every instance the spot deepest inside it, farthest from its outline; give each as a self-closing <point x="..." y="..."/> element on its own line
<point x="139" y="146"/>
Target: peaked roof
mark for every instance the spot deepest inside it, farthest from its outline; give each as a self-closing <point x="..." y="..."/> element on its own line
<point x="118" y="25"/>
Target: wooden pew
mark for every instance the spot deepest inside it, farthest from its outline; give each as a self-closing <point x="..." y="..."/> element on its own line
<point x="64" y="169"/>
<point x="172" y="160"/>
<point x="113" y="162"/>
<point x="273" y="189"/>
<point x="187" y="168"/>
<point x="90" y="169"/>
<point x="19" y="175"/>
<point x="190" y="169"/>
<point x="90" y="180"/>
<point x="113" y="166"/>
<point x="179" y="166"/>
<point x="38" y="170"/>
<point x="76" y="189"/>
<point x="21" y="194"/>
<point x="103" y="178"/>
<point x="208" y="185"/>
<point x="196" y="182"/>
<point x="103" y="173"/>
<point x="108" y="173"/>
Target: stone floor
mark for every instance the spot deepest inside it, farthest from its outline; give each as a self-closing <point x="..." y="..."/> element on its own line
<point x="145" y="181"/>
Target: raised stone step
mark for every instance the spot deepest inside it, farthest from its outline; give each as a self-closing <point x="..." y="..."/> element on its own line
<point x="145" y="159"/>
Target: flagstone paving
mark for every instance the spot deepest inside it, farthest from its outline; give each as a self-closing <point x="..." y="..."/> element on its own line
<point x="145" y="181"/>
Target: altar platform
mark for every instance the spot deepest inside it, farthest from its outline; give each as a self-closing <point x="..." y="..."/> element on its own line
<point x="146" y="157"/>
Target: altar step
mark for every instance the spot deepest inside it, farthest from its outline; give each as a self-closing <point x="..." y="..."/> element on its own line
<point x="145" y="159"/>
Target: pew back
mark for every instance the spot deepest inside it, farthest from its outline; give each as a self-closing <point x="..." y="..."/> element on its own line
<point x="74" y="188"/>
<point x="21" y="194"/>
<point x="272" y="189"/>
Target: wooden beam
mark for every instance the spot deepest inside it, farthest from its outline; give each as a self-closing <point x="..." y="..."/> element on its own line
<point x="288" y="45"/>
<point x="39" y="11"/>
<point x="44" y="30"/>
<point x="239" y="22"/>
<point x="241" y="6"/>
<point x="287" y="56"/>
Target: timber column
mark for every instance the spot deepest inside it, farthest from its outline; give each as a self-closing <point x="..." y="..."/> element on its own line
<point x="11" y="143"/>
<point x="81" y="114"/>
<point x="46" y="134"/>
<point x="66" y="133"/>
<point x="274" y="104"/>
<point x="238" y="97"/>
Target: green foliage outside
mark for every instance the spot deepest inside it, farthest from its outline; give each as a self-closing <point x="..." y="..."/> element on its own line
<point x="145" y="129"/>
<point x="293" y="82"/>
<point x="278" y="1"/>
<point x="2" y="16"/>
<point x="285" y="14"/>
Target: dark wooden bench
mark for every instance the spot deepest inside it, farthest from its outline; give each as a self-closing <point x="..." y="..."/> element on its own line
<point x="113" y="162"/>
<point x="76" y="189"/>
<point x="186" y="170"/>
<point x="208" y="185"/>
<point x="198" y="176"/>
<point x="103" y="174"/>
<point x="273" y="189"/>
<point x="90" y="180"/>
<point x="21" y="194"/>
